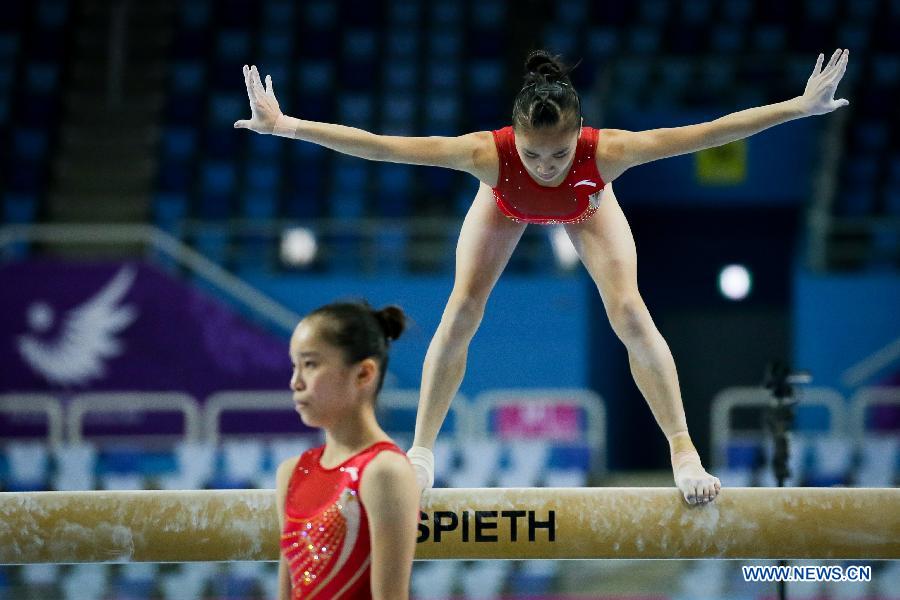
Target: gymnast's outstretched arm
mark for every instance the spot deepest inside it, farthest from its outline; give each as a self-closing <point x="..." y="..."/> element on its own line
<point x="619" y="150"/>
<point x="462" y="153"/>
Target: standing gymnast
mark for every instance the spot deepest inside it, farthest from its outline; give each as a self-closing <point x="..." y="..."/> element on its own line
<point x="548" y="168"/>
<point x="348" y="510"/>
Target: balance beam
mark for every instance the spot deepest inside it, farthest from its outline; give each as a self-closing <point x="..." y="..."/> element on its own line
<point x="484" y="523"/>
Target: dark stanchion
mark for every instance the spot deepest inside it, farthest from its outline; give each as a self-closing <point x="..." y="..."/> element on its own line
<point x="779" y="419"/>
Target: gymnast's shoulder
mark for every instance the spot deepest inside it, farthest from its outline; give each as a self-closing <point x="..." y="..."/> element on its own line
<point x="283" y="473"/>
<point x="388" y="470"/>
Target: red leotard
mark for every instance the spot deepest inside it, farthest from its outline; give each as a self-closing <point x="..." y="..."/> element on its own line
<point x="522" y="199"/>
<point x="325" y="540"/>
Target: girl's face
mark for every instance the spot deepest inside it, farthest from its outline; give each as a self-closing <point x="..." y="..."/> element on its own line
<point x="547" y="152"/>
<point x="324" y="387"/>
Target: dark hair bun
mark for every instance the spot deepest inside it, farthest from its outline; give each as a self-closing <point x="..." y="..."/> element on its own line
<point x="542" y="63"/>
<point x="392" y="320"/>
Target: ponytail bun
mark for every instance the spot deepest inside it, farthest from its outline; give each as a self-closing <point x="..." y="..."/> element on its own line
<point x="392" y="320"/>
<point x="541" y="65"/>
<point x="547" y="97"/>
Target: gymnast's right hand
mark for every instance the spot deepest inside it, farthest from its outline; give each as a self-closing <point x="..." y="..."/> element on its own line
<point x="422" y="460"/>
<point x="263" y="105"/>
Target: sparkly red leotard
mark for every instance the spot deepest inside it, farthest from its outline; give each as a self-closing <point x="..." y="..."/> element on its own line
<point x="522" y="199"/>
<point x="326" y="531"/>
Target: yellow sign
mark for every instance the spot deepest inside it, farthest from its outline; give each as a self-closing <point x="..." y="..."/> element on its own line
<point x="725" y="165"/>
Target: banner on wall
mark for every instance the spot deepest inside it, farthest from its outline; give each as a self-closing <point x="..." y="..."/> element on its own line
<point x="77" y="327"/>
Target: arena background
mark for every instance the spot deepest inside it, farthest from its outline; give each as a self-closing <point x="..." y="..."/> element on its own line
<point x="154" y="259"/>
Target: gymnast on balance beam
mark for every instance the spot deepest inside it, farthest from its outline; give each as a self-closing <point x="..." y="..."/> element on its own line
<point x="548" y="168"/>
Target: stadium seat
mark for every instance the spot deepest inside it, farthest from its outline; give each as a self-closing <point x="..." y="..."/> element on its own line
<point x="878" y="465"/>
<point x="824" y="10"/>
<point x="769" y="38"/>
<point x="435" y="580"/>
<point x="40" y="574"/>
<point x="488" y="14"/>
<point x="480" y="460"/>
<point x="892" y="201"/>
<point x="189" y="581"/>
<point x="315" y="76"/>
<point x="862" y="10"/>
<point x="135" y="580"/>
<point x="41" y="78"/>
<point x="28" y="466"/>
<point x="9" y="46"/>
<point x="726" y="39"/>
<point x="259" y="205"/>
<point x="485" y="76"/>
<point x="174" y="176"/>
<point x="870" y="136"/>
<point x="856" y="201"/>
<point x="401" y="45"/>
<point x="360" y="45"/>
<point x="401" y="76"/>
<point x="527" y="460"/>
<point x="179" y="143"/>
<point x="534" y="577"/>
<point x="643" y="40"/>
<point x="444" y="77"/>
<point x="86" y="581"/>
<point x="737" y="11"/>
<point x="277" y="13"/>
<point x="653" y="11"/>
<point x="485" y="579"/>
<point x="218" y="177"/>
<point x="320" y="14"/>
<point x="853" y="36"/>
<point x="233" y="46"/>
<point x="225" y="108"/>
<point x="19" y="208"/>
<point x="356" y="110"/>
<point x="403" y="14"/>
<point x="268" y="148"/>
<point x="832" y="458"/>
<point x="696" y="12"/>
<point x="572" y="13"/>
<point x="195" y="15"/>
<point x="601" y="42"/>
<point x="445" y="45"/>
<point x="242" y="460"/>
<point x="262" y="176"/>
<point x="560" y="38"/>
<point x="76" y="466"/>
<point x="276" y="47"/>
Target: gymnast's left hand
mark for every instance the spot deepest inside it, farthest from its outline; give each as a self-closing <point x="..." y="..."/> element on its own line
<point x="696" y="485"/>
<point x="818" y="97"/>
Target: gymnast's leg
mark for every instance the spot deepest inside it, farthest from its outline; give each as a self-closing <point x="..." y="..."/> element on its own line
<point x="486" y="242"/>
<point x="606" y="247"/>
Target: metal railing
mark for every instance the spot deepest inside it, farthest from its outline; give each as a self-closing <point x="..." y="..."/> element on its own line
<point x="542" y="400"/>
<point x="722" y="433"/>
<point x="19" y="405"/>
<point x="83" y="406"/>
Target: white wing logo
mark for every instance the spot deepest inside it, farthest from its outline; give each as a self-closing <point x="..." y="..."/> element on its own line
<point x="87" y="337"/>
<point x="585" y="182"/>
